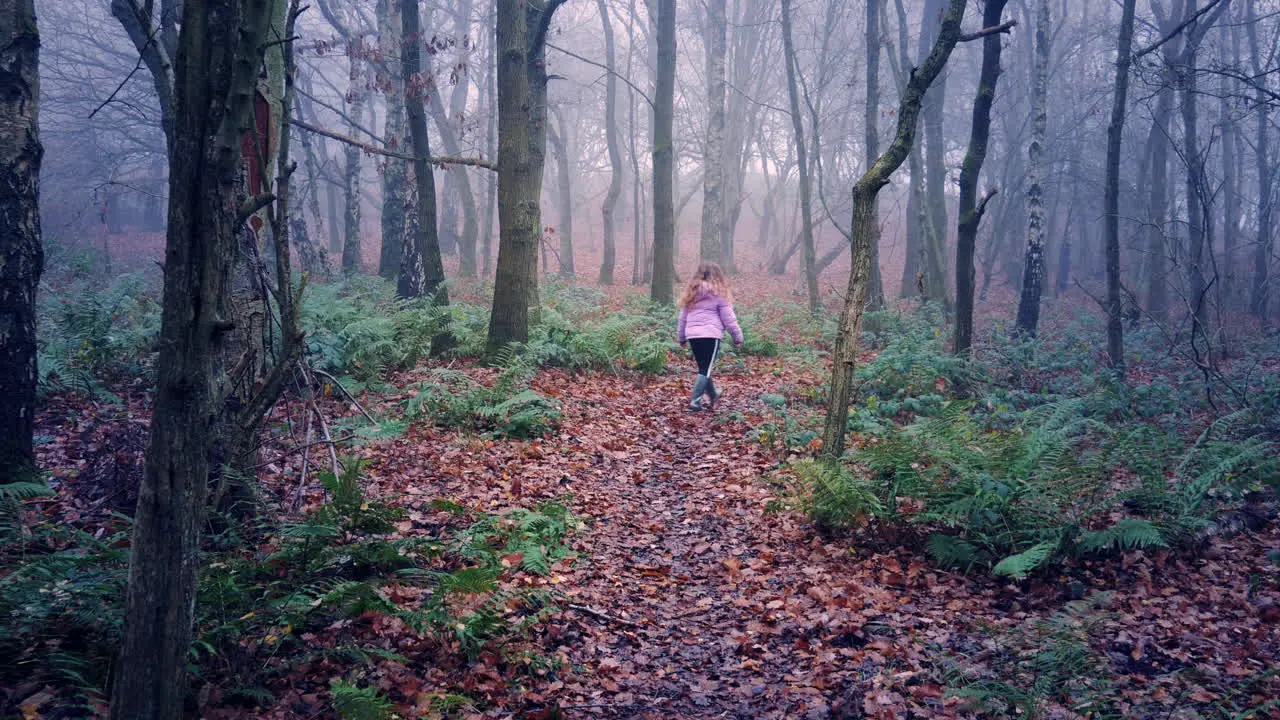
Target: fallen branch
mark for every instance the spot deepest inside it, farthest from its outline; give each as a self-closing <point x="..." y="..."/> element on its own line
<point x="600" y="615"/>
<point x="346" y="392"/>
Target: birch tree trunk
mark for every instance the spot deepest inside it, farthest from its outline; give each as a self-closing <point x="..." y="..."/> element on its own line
<point x="396" y="172"/>
<point x="664" y="269"/>
<point x="861" y="229"/>
<point x="1111" y="199"/>
<point x="609" y="207"/>
<point x="421" y="266"/>
<point x="351" y="249"/>
<point x="713" y="159"/>
<point x="21" y="252"/>
<point x="1033" y="266"/>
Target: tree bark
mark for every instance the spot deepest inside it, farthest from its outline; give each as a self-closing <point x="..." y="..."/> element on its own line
<point x="713" y="158"/>
<point x="871" y="145"/>
<point x="216" y="66"/>
<point x="351" y="250"/>
<point x="935" y="173"/>
<point x="607" y="209"/>
<point x="797" y="124"/>
<point x="861" y="228"/>
<point x="21" y="252"/>
<point x="1158" y="199"/>
<point x="1115" y="135"/>
<point x="396" y="172"/>
<point x="664" y="269"/>
<point x="522" y="128"/>
<point x="421" y="266"/>
<point x="560" y="143"/>
<point x="970" y="211"/>
<point x="1258" y="300"/>
<point x="1033" y="266"/>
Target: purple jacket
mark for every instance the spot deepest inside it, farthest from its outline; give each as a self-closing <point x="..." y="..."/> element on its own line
<point x="708" y="316"/>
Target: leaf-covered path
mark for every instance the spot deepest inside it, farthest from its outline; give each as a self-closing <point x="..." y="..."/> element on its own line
<point x="693" y="595"/>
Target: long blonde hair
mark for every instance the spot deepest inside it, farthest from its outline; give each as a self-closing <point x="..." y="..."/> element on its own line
<point x="709" y="276"/>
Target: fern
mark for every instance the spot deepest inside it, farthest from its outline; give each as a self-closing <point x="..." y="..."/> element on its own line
<point x="835" y="498"/>
<point x="356" y="703"/>
<point x="1022" y="564"/>
<point x="1127" y="534"/>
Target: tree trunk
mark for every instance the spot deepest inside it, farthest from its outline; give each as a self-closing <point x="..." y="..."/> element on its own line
<point x="797" y="124"/>
<point x="216" y="66"/>
<point x="522" y="126"/>
<point x="1258" y="300"/>
<point x="491" y="143"/>
<point x="1115" y="134"/>
<point x="861" y="229"/>
<point x="396" y="173"/>
<point x="560" y="143"/>
<point x="713" y="158"/>
<point x="607" y="209"/>
<point x="970" y="210"/>
<point x="421" y="266"/>
<point x="1158" y="200"/>
<point x="871" y="143"/>
<point x="1199" y="249"/>
<point x="935" y="173"/>
<point x="1033" y="266"/>
<point x="664" y="268"/>
<point x="351" y="250"/>
<point x="21" y="252"/>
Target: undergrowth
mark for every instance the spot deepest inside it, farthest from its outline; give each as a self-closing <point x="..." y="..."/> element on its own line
<point x="62" y="592"/>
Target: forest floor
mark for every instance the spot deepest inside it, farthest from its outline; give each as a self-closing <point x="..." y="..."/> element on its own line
<point x="698" y="588"/>
<point x="697" y="592"/>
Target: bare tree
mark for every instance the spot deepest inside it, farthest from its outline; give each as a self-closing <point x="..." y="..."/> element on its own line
<point x="609" y="207"/>
<point x="971" y="208"/>
<point x="861" y="228"/>
<point x="522" y="107"/>
<point x="1033" y="266"/>
<point x="797" y="121"/>
<point x="1115" y="135"/>
<point x="713" y="159"/>
<point x="664" y="269"/>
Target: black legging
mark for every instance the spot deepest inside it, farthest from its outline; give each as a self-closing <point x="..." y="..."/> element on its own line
<point x="704" y="352"/>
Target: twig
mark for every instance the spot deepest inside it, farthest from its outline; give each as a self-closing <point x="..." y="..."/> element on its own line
<point x="346" y="392"/>
<point x="306" y="460"/>
<point x="600" y="615"/>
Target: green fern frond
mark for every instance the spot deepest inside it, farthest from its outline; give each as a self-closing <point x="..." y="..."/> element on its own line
<point x="1020" y="565"/>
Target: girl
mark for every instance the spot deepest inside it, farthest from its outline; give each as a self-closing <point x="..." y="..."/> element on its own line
<point x="706" y="311"/>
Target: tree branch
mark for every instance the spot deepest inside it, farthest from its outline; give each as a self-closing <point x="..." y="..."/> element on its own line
<point x="544" y="24"/>
<point x="589" y="61"/>
<point x="1003" y="28"/>
<point x="1178" y="30"/>
<point x="443" y="161"/>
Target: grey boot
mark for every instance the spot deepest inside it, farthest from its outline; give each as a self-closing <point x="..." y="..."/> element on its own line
<point x="699" y="388"/>
<point x="713" y="393"/>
